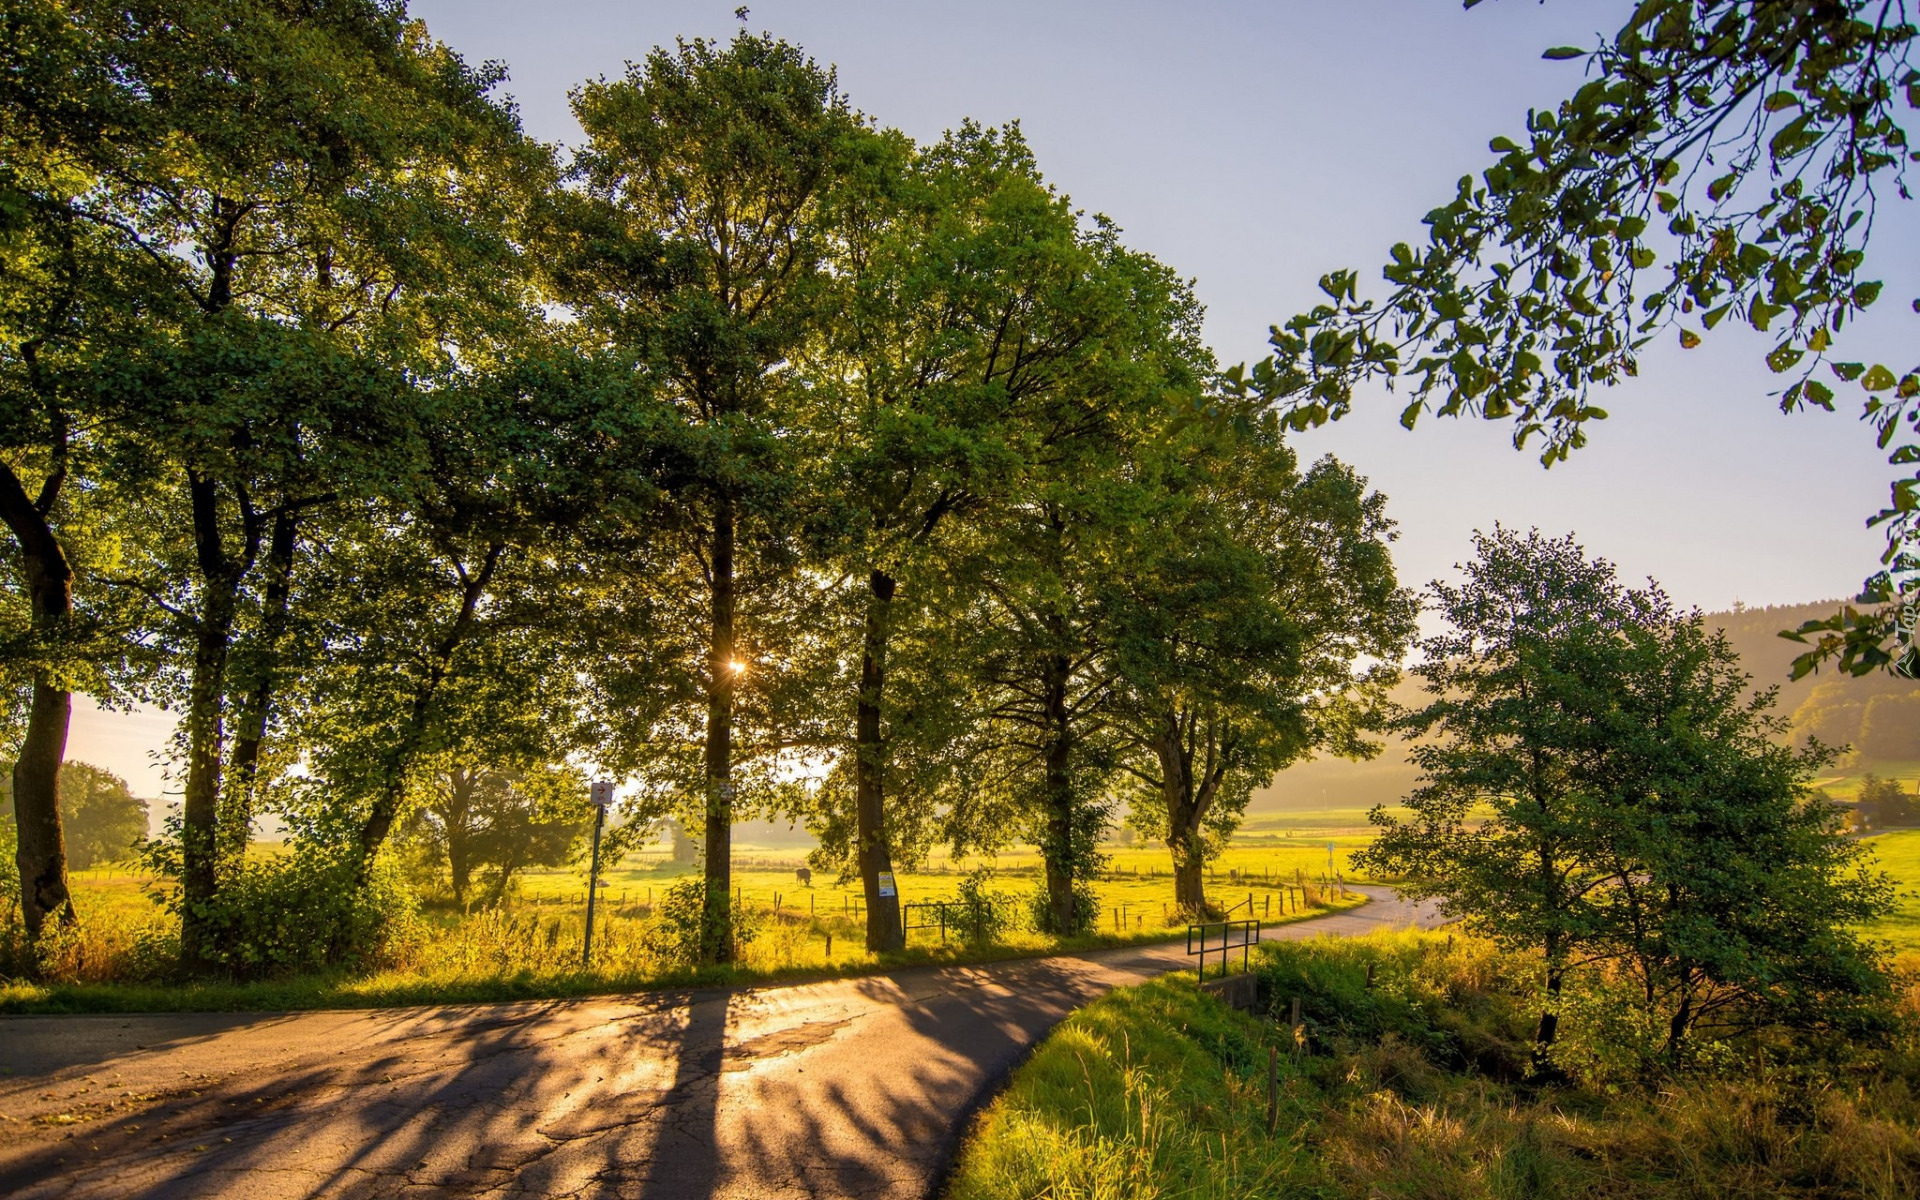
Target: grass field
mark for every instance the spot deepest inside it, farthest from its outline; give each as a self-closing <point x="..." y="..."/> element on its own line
<point x="1899" y="856"/>
<point x="530" y="946"/>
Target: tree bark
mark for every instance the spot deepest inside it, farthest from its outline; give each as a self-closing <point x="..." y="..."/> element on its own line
<point x="885" y="932"/>
<point x="205" y="721"/>
<point x="1183" y="822"/>
<point x="1058" y="847"/>
<point x="237" y="822"/>
<point x="1549" y="1026"/>
<point x="458" y="815"/>
<point x="41" y="857"/>
<point x="716" y="938"/>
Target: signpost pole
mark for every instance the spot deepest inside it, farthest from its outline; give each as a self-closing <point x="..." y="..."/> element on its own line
<point x="602" y="796"/>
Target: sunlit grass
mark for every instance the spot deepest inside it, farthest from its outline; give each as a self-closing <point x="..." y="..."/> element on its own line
<point x="120" y="958"/>
<point x="1898" y="854"/>
<point x="1410" y="1086"/>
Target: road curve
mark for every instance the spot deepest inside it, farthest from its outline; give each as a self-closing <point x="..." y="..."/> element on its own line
<point x="856" y="1087"/>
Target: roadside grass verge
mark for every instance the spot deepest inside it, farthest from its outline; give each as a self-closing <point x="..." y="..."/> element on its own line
<point x="1417" y="1088"/>
<point x="508" y="955"/>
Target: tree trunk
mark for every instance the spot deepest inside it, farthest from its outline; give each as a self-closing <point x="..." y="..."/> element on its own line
<point x="716" y="937"/>
<point x="1183" y="820"/>
<point x="1058" y="847"/>
<point x="885" y="932"/>
<point x="1682" y="1021"/>
<point x="42" y="855"/>
<point x="386" y="804"/>
<point x="1549" y="1026"/>
<point x="205" y="721"/>
<point x="237" y="825"/>
<point x="460" y="785"/>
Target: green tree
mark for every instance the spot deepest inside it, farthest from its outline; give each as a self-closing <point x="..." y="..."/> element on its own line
<point x="100" y="817"/>
<point x="322" y="169"/>
<point x="1750" y="143"/>
<point x="487" y="825"/>
<point x="103" y="819"/>
<point x="64" y="297"/>
<point x="965" y="317"/>
<point x="1883" y="802"/>
<point x="1514" y="682"/>
<point x="1598" y="783"/>
<point x="700" y="250"/>
<point x="1250" y="603"/>
<point x="1031" y="581"/>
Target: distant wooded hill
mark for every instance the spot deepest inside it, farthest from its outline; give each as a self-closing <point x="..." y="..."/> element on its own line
<point x="1878" y="715"/>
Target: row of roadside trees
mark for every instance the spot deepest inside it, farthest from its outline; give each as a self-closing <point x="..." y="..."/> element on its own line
<point x="766" y="459"/>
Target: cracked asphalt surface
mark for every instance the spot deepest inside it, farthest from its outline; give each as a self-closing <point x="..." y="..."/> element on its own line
<point x="856" y="1087"/>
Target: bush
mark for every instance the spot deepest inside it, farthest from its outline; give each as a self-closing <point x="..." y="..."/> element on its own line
<point x="1086" y="908"/>
<point x="305" y="911"/>
<point x="675" y="933"/>
<point x="985" y="918"/>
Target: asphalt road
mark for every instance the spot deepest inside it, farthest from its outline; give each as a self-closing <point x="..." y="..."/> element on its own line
<point x="858" y="1087"/>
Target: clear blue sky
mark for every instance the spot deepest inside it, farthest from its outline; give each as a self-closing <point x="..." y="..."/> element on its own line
<point x="1255" y="146"/>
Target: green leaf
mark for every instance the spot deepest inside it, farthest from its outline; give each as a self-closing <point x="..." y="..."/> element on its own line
<point x="1563" y="52"/>
<point x="1781" y="100"/>
<point x="1878" y="379"/>
<point x="1502" y="145"/>
<point x="1688" y="339"/>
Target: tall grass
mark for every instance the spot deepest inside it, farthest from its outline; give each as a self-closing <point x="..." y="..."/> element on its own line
<point x="1417" y="1088"/>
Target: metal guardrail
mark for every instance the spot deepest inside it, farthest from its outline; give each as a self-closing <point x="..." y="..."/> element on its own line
<point x="1232" y="935"/>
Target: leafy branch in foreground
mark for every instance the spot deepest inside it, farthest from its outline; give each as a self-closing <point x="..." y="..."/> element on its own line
<point x="1747" y="143"/>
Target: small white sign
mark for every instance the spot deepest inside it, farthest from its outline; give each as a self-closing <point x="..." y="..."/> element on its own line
<point x="886" y="885"/>
<point x="603" y="792"/>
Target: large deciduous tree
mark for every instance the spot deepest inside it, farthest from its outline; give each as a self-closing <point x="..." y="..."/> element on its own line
<point x="1242" y="626"/>
<point x="1598" y="785"/>
<point x="309" y="191"/>
<point x="709" y="169"/>
<point x="963" y="319"/>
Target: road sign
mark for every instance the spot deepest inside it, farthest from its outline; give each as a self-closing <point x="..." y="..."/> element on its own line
<point x="603" y="792"/>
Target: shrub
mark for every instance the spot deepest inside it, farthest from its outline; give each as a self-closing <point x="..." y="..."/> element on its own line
<point x="985" y="919"/>
<point x="674" y="934"/>
<point x="306" y="911"/>
<point x="1086" y="908"/>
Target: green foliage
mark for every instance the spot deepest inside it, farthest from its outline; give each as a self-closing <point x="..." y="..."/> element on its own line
<point x="984" y="917"/>
<point x="102" y="820"/>
<point x="684" y="925"/>
<point x="483" y="825"/>
<point x="1746" y="142"/>
<point x="1883" y="802"/>
<point x="1629" y="801"/>
<point x="303" y="911"/>
<point x="1043" y="908"/>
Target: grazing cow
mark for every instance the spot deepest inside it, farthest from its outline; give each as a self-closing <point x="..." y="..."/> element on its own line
<point x="804" y="876"/>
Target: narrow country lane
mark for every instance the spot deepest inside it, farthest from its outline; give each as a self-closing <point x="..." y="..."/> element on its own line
<point x="856" y="1088"/>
